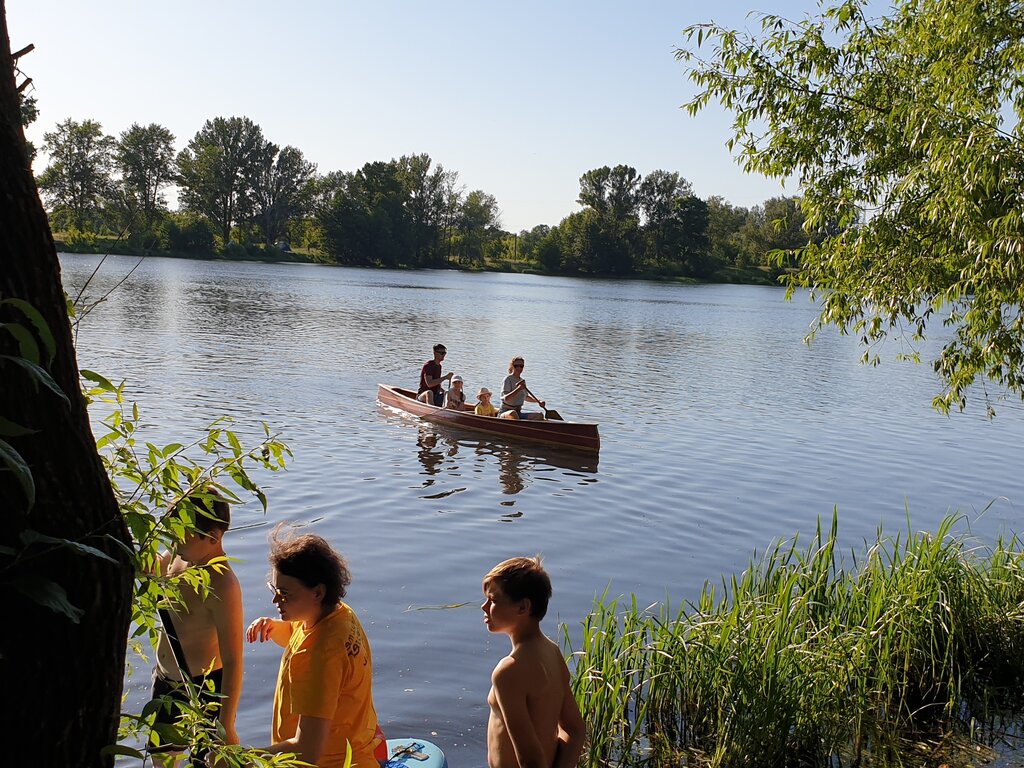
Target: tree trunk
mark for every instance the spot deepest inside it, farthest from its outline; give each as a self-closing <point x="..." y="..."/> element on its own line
<point x="62" y="679"/>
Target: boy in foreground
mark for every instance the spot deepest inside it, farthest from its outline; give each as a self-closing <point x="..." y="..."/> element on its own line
<point x="203" y="641"/>
<point x="534" y="720"/>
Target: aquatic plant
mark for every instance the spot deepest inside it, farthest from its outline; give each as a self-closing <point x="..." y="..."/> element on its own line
<point x="810" y="658"/>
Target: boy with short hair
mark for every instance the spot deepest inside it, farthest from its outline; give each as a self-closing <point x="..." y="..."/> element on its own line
<point x="431" y="379"/>
<point x="534" y="720"/>
<point x="202" y="636"/>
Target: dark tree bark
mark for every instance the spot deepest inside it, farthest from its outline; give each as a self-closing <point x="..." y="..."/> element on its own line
<point x="61" y="680"/>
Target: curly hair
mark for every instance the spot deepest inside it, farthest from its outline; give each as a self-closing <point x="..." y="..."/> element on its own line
<point x="311" y="560"/>
<point x="523" y="578"/>
<point x="512" y="362"/>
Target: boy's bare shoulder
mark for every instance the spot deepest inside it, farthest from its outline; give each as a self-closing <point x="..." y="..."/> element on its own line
<point x="528" y="660"/>
<point x="223" y="578"/>
<point x="514" y="671"/>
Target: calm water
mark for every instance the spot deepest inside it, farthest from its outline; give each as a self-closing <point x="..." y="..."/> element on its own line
<point x="720" y="432"/>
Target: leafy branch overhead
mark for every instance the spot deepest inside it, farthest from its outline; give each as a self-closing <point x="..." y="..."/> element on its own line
<point x="906" y="135"/>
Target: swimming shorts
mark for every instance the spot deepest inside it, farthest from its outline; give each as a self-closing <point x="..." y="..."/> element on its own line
<point x="175" y="690"/>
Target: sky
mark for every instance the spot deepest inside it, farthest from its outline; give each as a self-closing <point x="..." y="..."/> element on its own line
<point x="519" y="98"/>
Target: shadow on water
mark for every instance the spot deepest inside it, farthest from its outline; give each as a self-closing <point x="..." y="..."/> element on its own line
<point x="438" y="445"/>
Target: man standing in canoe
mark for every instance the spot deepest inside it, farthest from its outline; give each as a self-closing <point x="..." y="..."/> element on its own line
<point x="431" y="378"/>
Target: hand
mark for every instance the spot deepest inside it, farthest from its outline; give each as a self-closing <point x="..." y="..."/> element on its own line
<point x="261" y="630"/>
<point x="540" y="403"/>
<point x="450" y="374"/>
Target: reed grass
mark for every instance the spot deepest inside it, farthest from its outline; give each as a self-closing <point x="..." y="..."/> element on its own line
<point x="809" y="657"/>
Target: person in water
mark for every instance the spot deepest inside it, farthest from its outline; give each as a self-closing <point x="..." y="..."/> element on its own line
<point x="534" y="719"/>
<point x="431" y="378"/>
<point x="324" y="695"/>
<point x="514" y="393"/>
<point x="202" y="635"/>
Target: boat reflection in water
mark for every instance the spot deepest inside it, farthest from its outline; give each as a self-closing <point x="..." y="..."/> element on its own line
<point x="442" y="449"/>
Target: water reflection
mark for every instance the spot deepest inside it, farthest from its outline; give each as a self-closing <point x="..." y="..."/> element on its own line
<point x="440" y="448"/>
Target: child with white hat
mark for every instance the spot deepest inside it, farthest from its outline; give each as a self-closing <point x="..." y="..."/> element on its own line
<point x="455" y="397"/>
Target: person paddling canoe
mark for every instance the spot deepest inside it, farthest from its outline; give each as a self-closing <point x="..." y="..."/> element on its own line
<point x="431" y="378"/>
<point x="514" y="393"/>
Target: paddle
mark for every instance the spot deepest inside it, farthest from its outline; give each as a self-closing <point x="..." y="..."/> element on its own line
<point x="548" y="413"/>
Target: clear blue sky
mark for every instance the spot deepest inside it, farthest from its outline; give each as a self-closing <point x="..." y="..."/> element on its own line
<point x="520" y="98"/>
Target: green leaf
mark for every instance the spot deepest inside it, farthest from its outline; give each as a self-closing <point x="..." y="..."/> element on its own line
<point x="123" y="751"/>
<point x="27" y="346"/>
<point x="39" y="376"/>
<point x="42" y="329"/>
<point x="10" y="429"/>
<point x="48" y="594"/>
<point x="12" y="462"/>
<point x="30" y="537"/>
<point x="101" y="381"/>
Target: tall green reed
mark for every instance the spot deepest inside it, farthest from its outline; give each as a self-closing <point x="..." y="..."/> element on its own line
<point x="803" y="659"/>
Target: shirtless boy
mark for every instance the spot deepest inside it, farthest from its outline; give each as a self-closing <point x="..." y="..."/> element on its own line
<point x="208" y="625"/>
<point x="534" y="720"/>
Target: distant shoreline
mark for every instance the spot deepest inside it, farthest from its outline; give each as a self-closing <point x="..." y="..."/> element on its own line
<point x="272" y="255"/>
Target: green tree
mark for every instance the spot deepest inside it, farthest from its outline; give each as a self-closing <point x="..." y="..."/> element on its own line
<point x="144" y="156"/>
<point x="611" y="191"/>
<point x="549" y="251"/>
<point x="364" y="220"/>
<point x="724" y="223"/>
<point x="592" y="244"/>
<point x="29" y="114"/>
<point x="77" y="180"/>
<point x="607" y="242"/>
<point x="219" y="170"/>
<point x="56" y="497"/>
<point x="282" y="191"/>
<point x="427" y="193"/>
<point x="689" y="235"/>
<point x="477" y="225"/>
<point x="675" y="224"/>
<point x="71" y="541"/>
<point x="186" y="232"/>
<point x="905" y="132"/>
<point x="777" y="225"/>
<point x="658" y="192"/>
<point x="529" y="241"/>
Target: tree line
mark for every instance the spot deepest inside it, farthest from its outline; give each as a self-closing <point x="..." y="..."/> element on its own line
<point x="237" y="192"/>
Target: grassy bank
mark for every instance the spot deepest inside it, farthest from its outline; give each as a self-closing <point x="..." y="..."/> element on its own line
<point x="78" y="242"/>
<point x="102" y="244"/>
<point x="810" y="659"/>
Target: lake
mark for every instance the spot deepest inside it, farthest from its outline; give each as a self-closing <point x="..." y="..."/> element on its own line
<point x="721" y="432"/>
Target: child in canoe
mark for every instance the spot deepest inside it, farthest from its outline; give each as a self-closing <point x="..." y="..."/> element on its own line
<point x="484" y="406"/>
<point x="455" y="397"/>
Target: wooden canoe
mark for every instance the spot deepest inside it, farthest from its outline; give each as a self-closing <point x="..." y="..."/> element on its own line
<point x="567" y="434"/>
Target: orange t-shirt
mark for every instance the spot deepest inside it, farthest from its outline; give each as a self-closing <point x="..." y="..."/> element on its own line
<point x="328" y="673"/>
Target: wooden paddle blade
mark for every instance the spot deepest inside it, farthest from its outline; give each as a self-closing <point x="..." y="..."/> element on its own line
<point x="555" y="415"/>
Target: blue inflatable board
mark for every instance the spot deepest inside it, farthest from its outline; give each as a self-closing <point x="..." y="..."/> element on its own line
<point x="414" y="753"/>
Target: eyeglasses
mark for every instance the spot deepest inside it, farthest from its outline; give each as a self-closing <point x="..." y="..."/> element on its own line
<point x="518" y="365"/>
<point x="278" y="594"/>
